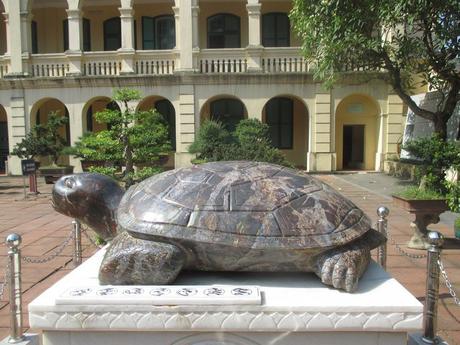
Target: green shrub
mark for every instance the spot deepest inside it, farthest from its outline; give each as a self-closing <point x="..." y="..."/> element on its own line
<point x="457" y="223"/>
<point x="250" y="141"/>
<point x="453" y="195"/>
<point x="43" y="140"/>
<point x="109" y="171"/>
<point x="414" y="192"/>
<point x="434" y="157"/>
<point x="211" y="141"/>
<point x="146" y="172"/>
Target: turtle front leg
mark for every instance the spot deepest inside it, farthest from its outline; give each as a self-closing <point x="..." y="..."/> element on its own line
<point x="343" y="266"/>
<point x="133" y="261"/>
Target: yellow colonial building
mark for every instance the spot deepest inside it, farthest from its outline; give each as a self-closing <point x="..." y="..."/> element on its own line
<point x="192" y="60"/>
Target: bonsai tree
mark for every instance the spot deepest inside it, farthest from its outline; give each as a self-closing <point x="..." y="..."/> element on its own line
<point x="250" y="141"/>
<point x="43" y="140"/>
<point x="415" y="42"/>
<point x="131" y="138"/>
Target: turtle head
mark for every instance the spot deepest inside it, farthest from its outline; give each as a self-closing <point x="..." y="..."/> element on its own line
<point x="91" y="198"/>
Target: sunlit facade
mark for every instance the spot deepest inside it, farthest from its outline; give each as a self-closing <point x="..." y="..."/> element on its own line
<point x="191" y="60"/>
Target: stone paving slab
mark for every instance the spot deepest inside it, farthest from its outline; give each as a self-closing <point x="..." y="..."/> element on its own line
<point x="43" y="230"/>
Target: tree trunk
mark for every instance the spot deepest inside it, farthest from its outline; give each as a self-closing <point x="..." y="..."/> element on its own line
<point x="440" y="126"/>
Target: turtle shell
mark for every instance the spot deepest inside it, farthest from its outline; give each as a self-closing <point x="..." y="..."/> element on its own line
<point x="243" y="204"/>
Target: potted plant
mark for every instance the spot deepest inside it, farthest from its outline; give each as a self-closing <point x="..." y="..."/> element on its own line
<point x="433" y="158"/>
<point x="44" y="140"/>
<point x="135" y="140"/>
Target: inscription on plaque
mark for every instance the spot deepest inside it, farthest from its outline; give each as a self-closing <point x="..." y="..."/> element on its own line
<point x="162" y="295"/>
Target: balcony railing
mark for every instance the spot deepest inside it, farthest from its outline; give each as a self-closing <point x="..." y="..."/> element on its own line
<point x="106" y="63"/>
<point x="49" y="65"/>
<point x="165" y="62"/>
<point x="284" y="60"/>
<point x="223" y="61"/>
<point x="154" y="62"/>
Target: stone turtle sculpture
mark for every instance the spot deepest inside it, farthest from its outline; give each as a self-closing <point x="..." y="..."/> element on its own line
<point x="221" y="216"/>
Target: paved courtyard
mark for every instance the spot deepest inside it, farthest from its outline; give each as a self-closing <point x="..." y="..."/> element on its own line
<point x="43" y="231"/>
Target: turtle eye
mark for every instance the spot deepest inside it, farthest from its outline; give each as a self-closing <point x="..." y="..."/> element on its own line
<point x="69" y="182"/>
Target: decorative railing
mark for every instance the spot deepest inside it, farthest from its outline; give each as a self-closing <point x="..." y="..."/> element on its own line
<point x="165" y="62"/>
<point x="223" y="61"/>
<point x="49" y="65"/>
<point x="154" y="62"/>
<point x="105" y="63"/>
<point x="284" y="60"/>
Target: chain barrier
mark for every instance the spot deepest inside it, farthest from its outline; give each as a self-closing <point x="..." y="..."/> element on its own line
<point x="448" y="283"/>
<point x="402" y="251"/>
<point x="6" y="276"/>
<point x="55" y="254"/>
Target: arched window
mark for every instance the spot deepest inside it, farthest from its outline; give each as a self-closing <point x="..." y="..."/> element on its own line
<point x="275" y="30"/>
<point x="86" y="34"/>
<point x="112" y="34"/>
<point x="158" y="32"/>
<point x="224" y="31"/>
<point x="228" y="111"/>
<point x="165" y="108"/>
<point x="279" y="114"/>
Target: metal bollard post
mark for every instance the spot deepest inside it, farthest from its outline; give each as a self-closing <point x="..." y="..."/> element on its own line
<point x="430" y="310"/>
<point x="382" y="227"/>
<point x="14" y="257"/>
<point x="76" y="226"/>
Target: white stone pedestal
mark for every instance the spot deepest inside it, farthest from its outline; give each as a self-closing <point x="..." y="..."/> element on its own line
<point x="294" y="309"/>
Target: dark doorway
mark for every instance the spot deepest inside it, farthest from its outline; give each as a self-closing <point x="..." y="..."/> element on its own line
<point x="3" y="146"/>
<point x="353" y="146"/>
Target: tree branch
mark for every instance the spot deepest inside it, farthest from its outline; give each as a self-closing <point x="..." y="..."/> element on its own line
<point x="395" y="80"/>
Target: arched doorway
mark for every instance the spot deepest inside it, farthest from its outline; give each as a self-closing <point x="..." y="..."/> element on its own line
<point x="40" y="113"/>
<point x="227" y="110"/>
<point x="4" y="148"/>
<point x="356" y="133"/>
<point x="47" y="106"/>
<point x="165" y="108"/>
<point x="91" y="108"/>
<point x="287" y="118"/>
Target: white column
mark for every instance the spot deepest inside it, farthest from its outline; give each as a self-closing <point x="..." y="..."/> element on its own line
<point x="7" y="33"/>
<point x="127" y="38"/>
<point x="254" y="49"/>
<point x="18" y="38"/>
<point x="75" y="30"/>
<point x="184" y="36"/>
<point x="195" y="33"/>
<point x="195" y="27"/>
<point x="253" y="8"/>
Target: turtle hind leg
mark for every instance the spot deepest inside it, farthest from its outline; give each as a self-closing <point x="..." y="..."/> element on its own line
<point x="343" y="266"/>
<point x="132" y="261"/>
